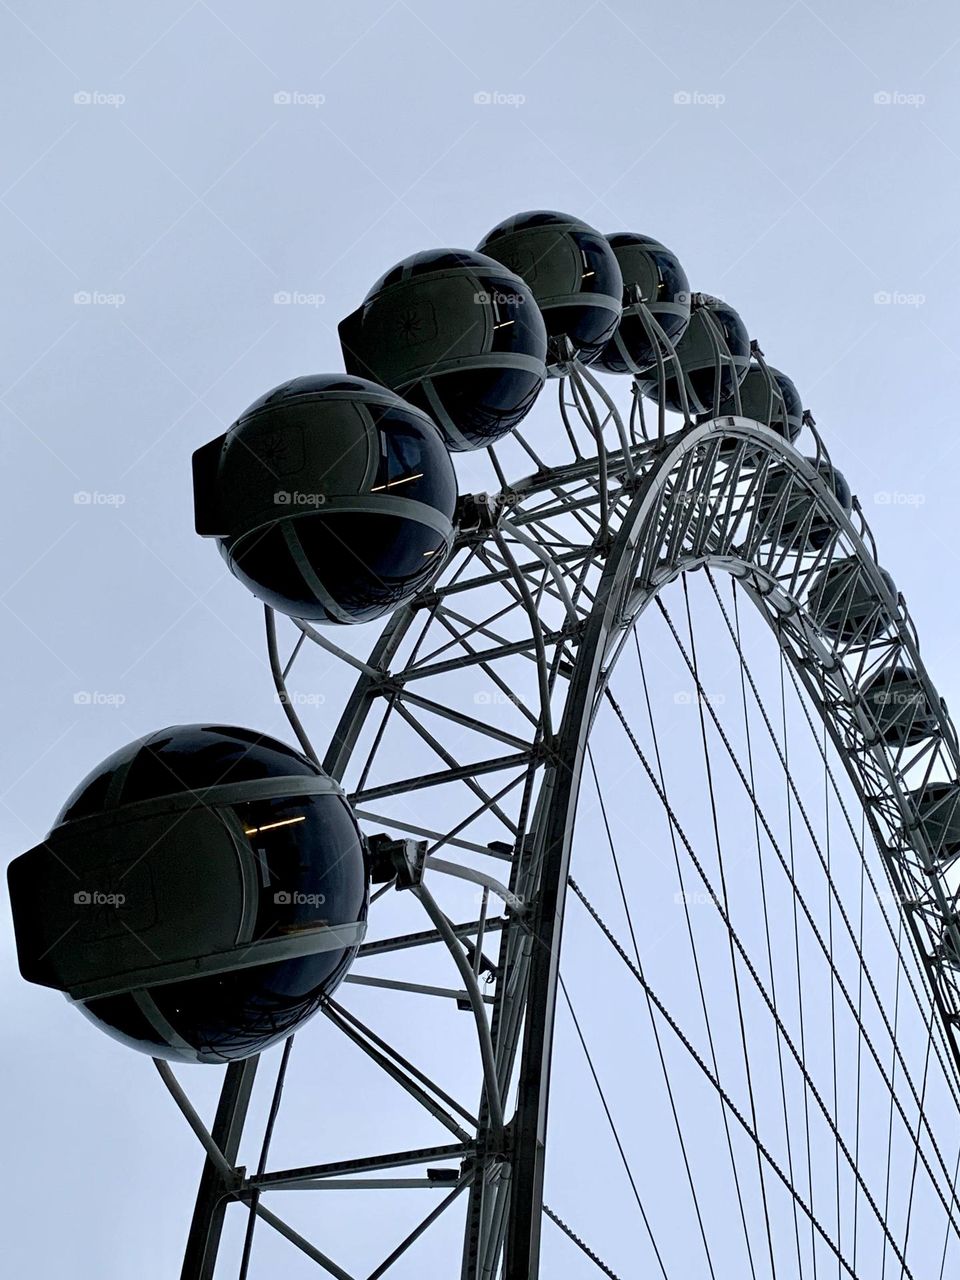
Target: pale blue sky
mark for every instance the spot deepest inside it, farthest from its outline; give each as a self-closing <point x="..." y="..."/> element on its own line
<point x="148" y="165"/>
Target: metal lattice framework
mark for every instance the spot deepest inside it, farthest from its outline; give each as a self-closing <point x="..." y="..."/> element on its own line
<point x="468" y="729"/>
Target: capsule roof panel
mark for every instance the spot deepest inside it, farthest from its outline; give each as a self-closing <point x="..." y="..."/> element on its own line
<point x="631" y="239"/>
<point x="430" y="260"/>
<point x="315" y="384"/>
<point x="536" y="218"/>
<point x="182" y="758"/>
<point x="658" y="269"/>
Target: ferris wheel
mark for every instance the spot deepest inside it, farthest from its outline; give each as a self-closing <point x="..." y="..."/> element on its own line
<point x="621" y="887"/>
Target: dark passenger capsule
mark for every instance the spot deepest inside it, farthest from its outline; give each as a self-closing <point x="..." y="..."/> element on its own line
<point x="760" y="402"/>
<point x="652" y="278"/>
<point x="938" y="807"/>
<point x="787" y="504"/>
<point x="456" y="334"/>
<point x="574" y="275"/>
<point x="845" y="605"/>
<point x="898" y="704"/>
<point x="199" y="895"/>
<point x="715" y="340"/>
<point x="330" y="498"/>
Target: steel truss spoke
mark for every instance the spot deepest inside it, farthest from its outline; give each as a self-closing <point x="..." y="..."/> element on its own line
<point x="821" y="941"/>
<point x="415" y="1082"/>
<point x="411" y="828"/>
<point x="464" y="1152"/>
<point x="284" y="1229"/>
<point x="430" y="936"/>
<point x="728" y="1101"/>
<point x="456" y="770"/>
<point x="796" y="798"/>
<point x="264" y="1153"/>
<point x="949" y="1068"/>
<point x="797" y="1055"/>
<point x="418" y="1231"/>
<point x="450" y="619"/>
<point x="465" y="773"/>
<point x="415" y="988"/>
<point x="576" y="552"/>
